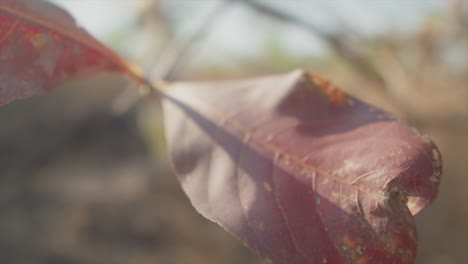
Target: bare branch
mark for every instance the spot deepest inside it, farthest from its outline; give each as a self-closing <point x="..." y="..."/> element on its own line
<point x="357" y="61"/>
<point x="177" y="48"/>
<point x="169" y="61"/>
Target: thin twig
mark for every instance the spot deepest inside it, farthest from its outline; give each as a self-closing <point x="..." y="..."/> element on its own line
<point x="177" y="49"/>
<point x="170" y="61"/>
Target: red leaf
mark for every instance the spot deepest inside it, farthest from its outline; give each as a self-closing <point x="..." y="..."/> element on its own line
<point x="299" y="171"/>
<point x="41" y="45"/>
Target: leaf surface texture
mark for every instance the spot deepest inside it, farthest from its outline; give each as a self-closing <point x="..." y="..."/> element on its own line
<point x="298" y="170"/>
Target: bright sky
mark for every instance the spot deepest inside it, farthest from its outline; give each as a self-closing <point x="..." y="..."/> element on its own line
<point x="100" y="17"/>
<point x="237" y="33"/>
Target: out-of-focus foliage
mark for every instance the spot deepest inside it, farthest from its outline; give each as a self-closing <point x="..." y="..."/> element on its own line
<point x="79" y="184"/>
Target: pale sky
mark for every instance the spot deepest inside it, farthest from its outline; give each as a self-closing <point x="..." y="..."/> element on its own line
<point x="241" y="33"/>
<point x="100" y="17"/>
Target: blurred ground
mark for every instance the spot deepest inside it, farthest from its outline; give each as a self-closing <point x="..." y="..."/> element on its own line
<point x="83" y="188"/>
<point x="79" y="184"/>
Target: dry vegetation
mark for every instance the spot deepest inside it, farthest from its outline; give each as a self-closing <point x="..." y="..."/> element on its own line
<point x="79" y="184"/>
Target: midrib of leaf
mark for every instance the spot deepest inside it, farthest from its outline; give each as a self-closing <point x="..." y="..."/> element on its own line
<point x="283" y="218"/>
<point x="92" y="45"/>
<point x="238" y="188"/>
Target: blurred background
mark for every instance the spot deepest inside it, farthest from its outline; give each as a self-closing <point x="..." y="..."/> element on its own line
<point x="84" y="177"/>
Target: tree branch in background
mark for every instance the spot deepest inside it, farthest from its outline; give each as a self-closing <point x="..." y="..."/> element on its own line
<point x="357" y="61"/>
<point x="177" y="49"/>
<point x="170" y="60"/>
